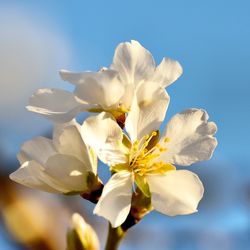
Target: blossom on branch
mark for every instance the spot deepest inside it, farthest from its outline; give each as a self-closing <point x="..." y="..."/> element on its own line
<point x="62" y="165"/>
<point x="132" y="73"/>
<point x="147" y="162"/>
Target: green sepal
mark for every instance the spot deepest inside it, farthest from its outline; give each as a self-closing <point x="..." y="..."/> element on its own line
<point x="141" y="203"/>
<point x="92" y="180"/>
<point x="142" y="185"/>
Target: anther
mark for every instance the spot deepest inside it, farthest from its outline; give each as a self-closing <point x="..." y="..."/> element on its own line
<point x="154" y="133"/>
<point x="163" y="149"/>
<point x="136" y="142"/>
<point x="166" y="139"/>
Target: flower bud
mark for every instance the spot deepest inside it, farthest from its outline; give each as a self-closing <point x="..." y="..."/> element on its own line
<point x="81" y="236"/>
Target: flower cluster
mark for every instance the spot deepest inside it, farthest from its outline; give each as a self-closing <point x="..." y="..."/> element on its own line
<point x="128" y="101"/>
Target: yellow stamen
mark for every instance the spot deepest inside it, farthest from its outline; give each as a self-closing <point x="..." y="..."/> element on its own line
<point x="144" y="161"/>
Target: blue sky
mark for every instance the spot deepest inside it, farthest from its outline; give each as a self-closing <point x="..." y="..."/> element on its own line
<point x="211" y="39"/>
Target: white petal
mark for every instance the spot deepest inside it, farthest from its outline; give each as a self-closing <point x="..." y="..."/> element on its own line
<point x="105" y="136"/>
<point x="68" y="140"/>
<point x="133" y="62"/>
<point x="79" y="78"/>
<point x="38" y="149"/>
<point x="55" y="104"/>
<point x="149" y="91"/>
<point x="74" y="77"/>
<point x="127" y="98"/>
<point x="67" y="172"/>
<point x="31" y="174"/>
<point x="167" y="72"/>
<point x="176" y="192"/>
<point x="191" y="138"/>
<point x="146" y="116"/>
<point x="102" y="88"/>
<point x="59" y="127"/>
<point x="115" y="202"/>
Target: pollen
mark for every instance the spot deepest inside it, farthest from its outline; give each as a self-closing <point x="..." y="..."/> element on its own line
<point x="166" y="139"/>
<point x="161" y="149"/>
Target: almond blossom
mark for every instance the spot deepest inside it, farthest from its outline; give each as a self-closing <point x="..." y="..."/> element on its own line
<point x="132" y="73"/>
<point x="64" y="164"/>
<point x="147" y="162"/>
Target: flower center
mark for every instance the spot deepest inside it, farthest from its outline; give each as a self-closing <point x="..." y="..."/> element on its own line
<point x="144" y="153"/>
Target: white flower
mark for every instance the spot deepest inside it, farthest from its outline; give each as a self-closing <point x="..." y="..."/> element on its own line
<point x="148" y="161"/>
<point x="61" y="165"/>
<point x="133" y="71"/>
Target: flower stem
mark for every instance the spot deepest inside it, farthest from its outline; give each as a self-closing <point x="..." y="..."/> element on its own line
<point x="115" y="235"/>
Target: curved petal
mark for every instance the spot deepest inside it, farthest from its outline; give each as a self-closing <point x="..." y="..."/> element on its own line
<point x="102" y="88"/>
<point x="67" y="172"/>
<point x="190" y="138"/>
<point x="61" y="174"/>
<point x="147" y="115"/>
<point x="59" y="128"/>
<point x="38" y="149"/>
<point x="31" y="174"/>
<point x="105" y="136"/>
<point x="55" y="104"/>
<point x="175" y="193"/>
<point x="167" y="72"/>
<point x="127" y="98"/>
<point x="146" y="92"/>
<point x="115" y="202"/>
<point x="68" y="140"/>
<point x="74" y="77"/>
<point x="79" y="78"/>
<point x="133" y="62"/>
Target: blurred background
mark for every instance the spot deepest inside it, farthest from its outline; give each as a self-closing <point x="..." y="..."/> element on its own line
<point x="212" y="42"/>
